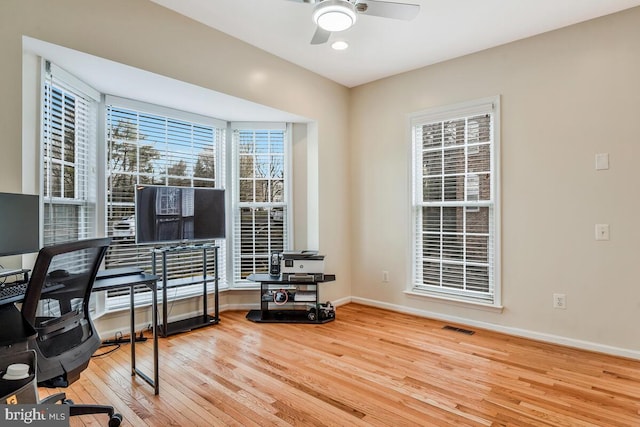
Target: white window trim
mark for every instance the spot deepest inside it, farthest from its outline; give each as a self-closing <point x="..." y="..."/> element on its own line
<point x="232" y="175"/>
<point x="50" y="72"/>
<point x="450" y="112"/>
<point x="121" y="302"/>
<point x="163" y="111"/>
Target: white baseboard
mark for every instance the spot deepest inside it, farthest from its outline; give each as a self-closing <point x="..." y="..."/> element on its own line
<point x="539" y="336"/>
<point x="239" y="307"/>
<point x="341" y="301"/>
<point x="524" y="333"/>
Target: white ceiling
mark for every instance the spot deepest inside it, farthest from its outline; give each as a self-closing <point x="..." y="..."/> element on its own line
<point x="381" y="47"/>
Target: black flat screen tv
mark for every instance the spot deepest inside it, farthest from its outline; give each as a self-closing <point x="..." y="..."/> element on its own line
<point x="166" y="215"/>
<point x="19" y="224"/>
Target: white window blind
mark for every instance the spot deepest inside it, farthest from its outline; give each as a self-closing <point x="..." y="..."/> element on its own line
<point x="69" y="140"/>
<point x="455" y="201"/>
<point x="157" y="149"/>
<point x="261" y="198"/>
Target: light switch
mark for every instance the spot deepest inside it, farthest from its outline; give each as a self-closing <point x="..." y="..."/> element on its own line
<point x="602" y="231"/>
<point x="602" y="161"/>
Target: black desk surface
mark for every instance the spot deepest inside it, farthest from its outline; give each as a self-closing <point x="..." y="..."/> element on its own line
<point x="267" y="278"/>
<point x="123" y="281"/>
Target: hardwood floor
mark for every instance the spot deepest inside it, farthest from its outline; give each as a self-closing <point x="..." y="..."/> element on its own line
<point x="370" y="367"/>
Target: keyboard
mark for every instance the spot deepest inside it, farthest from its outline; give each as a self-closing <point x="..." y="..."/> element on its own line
<point x="14" y="292"/>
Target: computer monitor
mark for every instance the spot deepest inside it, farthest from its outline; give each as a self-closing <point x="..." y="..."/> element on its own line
<point x="19" y="224"/>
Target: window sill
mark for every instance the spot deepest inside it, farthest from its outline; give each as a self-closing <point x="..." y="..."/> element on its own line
<point x="175" y="292"/>
<point x="242" y="285"/>
<point x="144" y="299"/>
<point x="477" y="305"/>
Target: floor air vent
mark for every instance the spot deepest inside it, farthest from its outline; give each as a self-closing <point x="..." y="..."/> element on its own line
<point x="462" y="331"/>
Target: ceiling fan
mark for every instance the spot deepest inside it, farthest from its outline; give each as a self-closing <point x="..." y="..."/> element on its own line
<point x="338" y="15"/>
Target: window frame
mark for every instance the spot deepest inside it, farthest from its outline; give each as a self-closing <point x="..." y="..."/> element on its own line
<point x="144" y="111"/>
<point x="287" y="203"/>
<point x="492" y="299"/>
<point x="85" y="130"/>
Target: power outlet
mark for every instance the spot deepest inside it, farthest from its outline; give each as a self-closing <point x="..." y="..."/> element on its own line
<point x="385" y="276"/>
<point x="560" y="301"/>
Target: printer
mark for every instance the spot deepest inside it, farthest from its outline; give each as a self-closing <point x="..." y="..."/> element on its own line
<point x="302" y="266"/>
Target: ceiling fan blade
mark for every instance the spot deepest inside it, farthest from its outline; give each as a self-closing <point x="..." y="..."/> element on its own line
<point x="320" y="36"/>
<point x="388" y="9"/>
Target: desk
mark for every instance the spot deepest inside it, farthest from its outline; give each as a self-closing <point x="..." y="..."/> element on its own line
<point x="130" y="281"/>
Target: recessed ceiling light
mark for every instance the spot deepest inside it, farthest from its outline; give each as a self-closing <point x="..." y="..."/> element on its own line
<point x="340" y="45"/>
<point x="334" y="15"/>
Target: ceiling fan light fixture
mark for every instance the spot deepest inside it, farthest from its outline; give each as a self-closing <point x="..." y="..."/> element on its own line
<point x="339" y="45"/>
<point x="334" y="15"/>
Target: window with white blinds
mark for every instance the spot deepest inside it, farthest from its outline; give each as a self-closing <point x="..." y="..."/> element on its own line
<point x="153" y="145"/>
<point x="261" y="197"/>
<point x="161" y="147"/>
<point x="69" y="117"/>
<point x="455" y="201"/>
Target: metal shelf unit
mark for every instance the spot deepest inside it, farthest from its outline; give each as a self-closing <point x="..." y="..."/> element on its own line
<point x="280" y="300"/>
<point x="204" y="319"/>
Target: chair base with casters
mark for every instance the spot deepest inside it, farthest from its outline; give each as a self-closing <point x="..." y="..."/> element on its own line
<point x="81" y="409"/>
<point x="25" y="391"/>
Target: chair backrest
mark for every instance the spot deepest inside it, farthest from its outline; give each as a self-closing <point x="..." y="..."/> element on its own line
<point x="56" y="304"/>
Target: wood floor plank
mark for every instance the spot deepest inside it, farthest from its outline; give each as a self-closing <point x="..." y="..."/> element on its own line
<point x="370" y="367"/>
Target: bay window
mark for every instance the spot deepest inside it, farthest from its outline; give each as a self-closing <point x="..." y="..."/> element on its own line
<point x="89" y="177"/>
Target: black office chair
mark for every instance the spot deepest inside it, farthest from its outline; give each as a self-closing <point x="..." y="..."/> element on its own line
<point x="56" y="304"/>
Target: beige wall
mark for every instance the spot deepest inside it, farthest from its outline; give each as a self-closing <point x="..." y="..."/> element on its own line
<point x="565" y="96"/>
